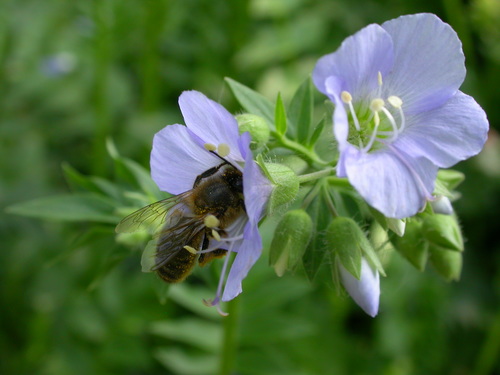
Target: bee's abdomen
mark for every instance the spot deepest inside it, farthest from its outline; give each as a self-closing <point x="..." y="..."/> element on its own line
<point x="178" y="268"/>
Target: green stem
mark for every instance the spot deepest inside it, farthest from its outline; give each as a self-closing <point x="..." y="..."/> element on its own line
<point x="308" y="154"/>
<point x="229" y="338"/>
<point x="315" y="175"/>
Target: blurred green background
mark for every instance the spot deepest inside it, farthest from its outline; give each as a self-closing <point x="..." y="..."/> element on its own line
<point x="74" y="73"/>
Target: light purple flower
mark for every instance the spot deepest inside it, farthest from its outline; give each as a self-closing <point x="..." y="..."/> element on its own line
<point x="399" y="115"/>
<point x="365" y="291"/>
<point x="179" y="155"/>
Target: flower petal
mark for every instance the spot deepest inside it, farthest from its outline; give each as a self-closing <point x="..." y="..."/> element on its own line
<point x="176" y="159"/>
<point x="333" y="87"/>
<point x="256" y="190"/>
<point x="390" y="181"/>
<point x="428" y="61"/>
<point x="365" y="291"/>
<point x="357" y="62"/>
<point x="248" y="253"/>
<point x="210" y="121"/>
<point x="449" y="134"/>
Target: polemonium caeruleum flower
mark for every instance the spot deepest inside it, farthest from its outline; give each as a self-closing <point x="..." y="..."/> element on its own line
<point x="181" y="153"/>
<point x="365" y="291"/>
<point x="399" y="115"/>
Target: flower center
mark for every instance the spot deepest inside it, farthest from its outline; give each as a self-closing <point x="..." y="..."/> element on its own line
<point x="374" y="124"/>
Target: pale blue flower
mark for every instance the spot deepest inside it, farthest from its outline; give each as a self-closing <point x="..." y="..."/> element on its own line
<point x="399" y="115"/>
<point x="365" y="291"/>
<point x="180" y="155"/>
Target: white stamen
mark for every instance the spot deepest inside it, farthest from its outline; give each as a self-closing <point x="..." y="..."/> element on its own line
<point x="395" y="101"/>
<point x="211" y="221"/>
<point x="192" y="250"/>
<point x="216" y="235"/>
<point x="379" y="78"/>
<point x="377" y="104"/>
<point x="223" y="150"/>
<point x="346" y="97"/>
<point x="210" y="147"/>
<point x="393" y="123"/>
<point x="374" y="134"/>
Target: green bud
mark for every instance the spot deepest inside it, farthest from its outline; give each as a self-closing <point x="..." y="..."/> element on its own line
<point x="444" y="231"/>
<point x="396" y="225"/>
<point x="448" y="263"/>
<point x="290" y="241"/>
<point x="413" y="246"/>
<point x="256" y="126"/>
<point x="347" y="240"/>
<point x="450" y="178"/>
<point x="285" y="181"/>
<point x="295" y="163"/>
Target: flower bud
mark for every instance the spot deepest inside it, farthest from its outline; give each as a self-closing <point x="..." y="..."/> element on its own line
<point x="442" y="205"/>
<point x="443" y="231"/>
<point x="413" y="246"/>
<point x="345" y="239"/>
<point x="256" y="126"/>
<point x="291" y="237"/>
<point x="365" y="291"/>
<point x="396" y="225"/>
<point x="448" y="263"/>
<point x="285" y="185"/>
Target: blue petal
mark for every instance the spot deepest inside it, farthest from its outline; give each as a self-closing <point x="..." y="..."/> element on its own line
<point x="333" y="87"/>
<point x="428" y="62"/>
<point x="210" y="121"/>
<point x="391" y="181"/>
<point x="357" y="62"/>
<point x="365" y="291"/>
<point x="247" y="255"/>
<point x="454" y="132"/>
<point x="256" y="189"/>
<point x="176" y="159"/>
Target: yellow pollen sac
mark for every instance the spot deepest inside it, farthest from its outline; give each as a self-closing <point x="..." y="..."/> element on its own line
<point x="379" y="78"/>
<point x="210" y="147"/>
<point x="192" y="250"/>
<point x="377" y="104"/>
<point x="211" y="221"/>
<point x="223" y="149"/>
<point x="346" y="97"/>
<point x="395" y="101"/>
<point x="215" y="235"/>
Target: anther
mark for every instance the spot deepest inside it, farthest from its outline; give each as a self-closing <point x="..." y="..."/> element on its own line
<point x="192" y="250"/>
<point x="211" y="221"/>
<point x="215" y="235"/>
<point x="346" y="97"/>
<point x="210" y="147"/>
<point x="223" y="149"/>
<point x="376" y="105"/>
<point x="395" y="101"/>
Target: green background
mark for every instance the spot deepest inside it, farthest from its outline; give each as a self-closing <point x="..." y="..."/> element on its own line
<point x="72" y="301"/>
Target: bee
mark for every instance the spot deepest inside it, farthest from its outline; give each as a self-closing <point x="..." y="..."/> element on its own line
<point x="189" y="221"/>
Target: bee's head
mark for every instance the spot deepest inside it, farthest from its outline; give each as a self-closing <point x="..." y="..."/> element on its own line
<point x="234" y="179"/>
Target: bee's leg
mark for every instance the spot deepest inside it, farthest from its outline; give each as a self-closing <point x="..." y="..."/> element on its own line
<point x="206" y="258"/>
<point x="207" y="173"/>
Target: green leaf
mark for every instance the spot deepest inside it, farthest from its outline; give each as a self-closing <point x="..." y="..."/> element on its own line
<point x="78" y="181"/>
<point x="315" y="252"/>
<point x="252" y="101"/>
<point x="318" y="130"/>
<point x="68" y="207"/>
<point x="301" y="111"/>
<point x="280" y="116"/>
<point x="188" y="331"/>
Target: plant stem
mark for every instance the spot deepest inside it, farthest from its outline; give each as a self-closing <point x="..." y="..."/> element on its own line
<point x="308" y="154"/>
<point x="315" y="175"/>
<point x="229" y="338"/>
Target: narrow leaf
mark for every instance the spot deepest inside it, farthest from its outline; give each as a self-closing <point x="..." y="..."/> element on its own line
<point x="68" y="207"/>
<point x="252" y="101"/>
<point x="318" y="130"/>
<point x="280" y="116"/>
<point x="301" y="111"/>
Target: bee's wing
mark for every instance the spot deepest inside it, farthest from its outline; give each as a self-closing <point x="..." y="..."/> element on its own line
<point x="173" y="237"/>
<point x="152" y="216"/>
